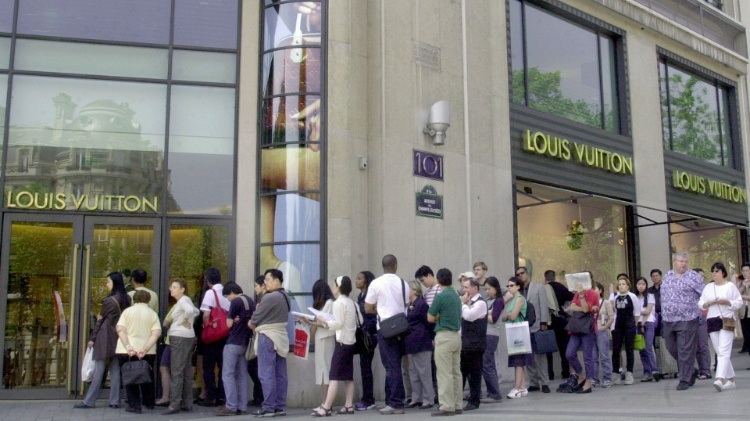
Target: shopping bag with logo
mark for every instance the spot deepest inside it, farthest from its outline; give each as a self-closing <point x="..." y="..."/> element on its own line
<point x="518" y="338"/>
<point x="301" y="339"/>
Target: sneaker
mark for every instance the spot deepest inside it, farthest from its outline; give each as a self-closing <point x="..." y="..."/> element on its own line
<point x="388" y="410"/>
<point x="524" y="392"/>
<point x="364" y="406"/>
<point x="718" y="385"/>
<point x="514" y="394"/>
<point x="262" y="413"/>
<point x="545" y="389"/>
<point x="279" y="413"/>
<point x="648" y="378"/>
<point x="729" y="385"/>
<point x="617" y="380"/>
<point x="628" y="378"/>
<point x="606" y="384"/>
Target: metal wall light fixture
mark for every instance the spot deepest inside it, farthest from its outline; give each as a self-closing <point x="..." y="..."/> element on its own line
<point x="438" y="121"/>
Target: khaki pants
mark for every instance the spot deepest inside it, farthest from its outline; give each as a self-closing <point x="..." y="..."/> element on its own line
<point x="448" y="364"/>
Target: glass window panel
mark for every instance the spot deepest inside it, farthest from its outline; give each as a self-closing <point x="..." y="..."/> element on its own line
<point x="291" y="24"/>
<point x="295" y="218"/>
<point x="305" y="127"/>
<point x="204" y="66"/>
<point x="6" y="15"/>
<point x="666" y="135"/>
<point x="562" y="71"/>
<point x="192" y="249"/>
<point x="109" y="60"/>
<point x="201" y="150"/>
<point x="609" y="84"/>
<point x="3" y="96"/>
<point x="291" y="70"/>
<point x="4" y="53"/>
<point x="726" y="134"/>
<point x="300" y="264"/>
<point x="694" y="116"/>
<point x="293" y="167"/>
<point x="206" y="23"/>
<point x="708" y="245"/>
<point x="516" y="47"/>
<point x="144" y="21"/>
<point x="78" y="136"/>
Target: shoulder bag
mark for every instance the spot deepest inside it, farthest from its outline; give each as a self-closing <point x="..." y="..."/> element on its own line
<point x="365" y="342"/>
<point x="580" y="322"/>
<point x="727" y="323"/>
<point x="215" y="328"/>
<point x="397" y="326"/>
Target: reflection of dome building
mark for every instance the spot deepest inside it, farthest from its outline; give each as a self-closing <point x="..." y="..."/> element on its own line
<point x="98" y="152"/>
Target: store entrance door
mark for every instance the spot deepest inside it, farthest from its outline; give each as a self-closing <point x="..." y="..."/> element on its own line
<point x="53" y="272"/>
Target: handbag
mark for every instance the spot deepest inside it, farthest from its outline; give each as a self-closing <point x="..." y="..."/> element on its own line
<point x="88" y="366"/>
<point x="544" y="341"/>
<point x="580" y="322"/>
<point x="136" y="372"/>
<point x="397" y="326"/>
<point x="365" y="343"/>
<point x="727" y="323"/>
<point x="215" y="328"/>
<point x="250" y="353"/>
<point x="518" y="338"/>
<point x="713" y="324"/>
<point x="639" y="344"/>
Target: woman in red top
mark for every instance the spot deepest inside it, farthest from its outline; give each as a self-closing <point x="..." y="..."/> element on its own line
<point x="585" y="301"/>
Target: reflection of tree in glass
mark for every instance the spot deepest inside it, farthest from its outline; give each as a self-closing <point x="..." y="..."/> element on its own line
<point x="695" y="125"/>
<point x="546" y="95"/>
<point x="722" y="246"/>
<point x="195" y="248"/>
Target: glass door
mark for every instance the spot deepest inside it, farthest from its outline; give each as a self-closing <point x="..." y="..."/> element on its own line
<point x="54" y="271"/>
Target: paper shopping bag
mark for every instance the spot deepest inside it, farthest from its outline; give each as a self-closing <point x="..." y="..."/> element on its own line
<point x="518" y="338"/>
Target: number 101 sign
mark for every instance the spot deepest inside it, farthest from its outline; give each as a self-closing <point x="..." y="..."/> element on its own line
<point x="428" y="165"/>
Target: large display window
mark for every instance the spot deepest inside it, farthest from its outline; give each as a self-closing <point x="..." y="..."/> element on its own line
<point x="562" y="67"/>
<point x="570" y="232"/>
<point x="292" y="134"/>
<point x="706" y="242"/>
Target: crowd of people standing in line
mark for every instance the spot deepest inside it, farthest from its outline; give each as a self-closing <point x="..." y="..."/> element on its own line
<point x="452" y="337"/>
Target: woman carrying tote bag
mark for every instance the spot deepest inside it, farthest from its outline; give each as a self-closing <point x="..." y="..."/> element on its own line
<point x="515" y="312"/>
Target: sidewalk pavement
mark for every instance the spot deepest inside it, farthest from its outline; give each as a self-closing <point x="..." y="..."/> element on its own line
<point x="641" y="401"/>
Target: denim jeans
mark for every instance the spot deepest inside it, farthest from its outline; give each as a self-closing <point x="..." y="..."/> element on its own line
<point x="589" y="353"/>
<point x="605" y="357"/>
<point x="272" y="373"/>
<point x="489" y="368"/>
<point x="235" y="377"/>
<point x="391" y="352"/>
<point x="648" y="357"/>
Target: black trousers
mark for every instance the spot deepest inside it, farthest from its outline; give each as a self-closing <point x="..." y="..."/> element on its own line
<point x="561" y="337"/>
<point x="745" y="325"/>
<point x="213" y="355"/>
<point x="471" y="369"/>
<point x="626" y="335"/>
<point x="252" y="370"/>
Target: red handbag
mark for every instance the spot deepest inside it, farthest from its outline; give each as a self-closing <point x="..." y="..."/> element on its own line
<point x="215" y="328"/>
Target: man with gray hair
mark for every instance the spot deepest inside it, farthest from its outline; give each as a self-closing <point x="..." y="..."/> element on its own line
<point x="681" y="289"/>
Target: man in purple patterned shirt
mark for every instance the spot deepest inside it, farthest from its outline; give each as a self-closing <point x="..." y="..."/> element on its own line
<point x="680" y="291"/>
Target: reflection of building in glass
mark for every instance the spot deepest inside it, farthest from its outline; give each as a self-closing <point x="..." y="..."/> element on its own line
<point x="95" y="159"/>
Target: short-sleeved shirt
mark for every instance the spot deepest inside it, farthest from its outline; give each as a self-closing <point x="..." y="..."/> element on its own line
<point x="139" y="320"/>
<point x="430" y="293"/>
<point x="391" y="295"/>
<point x="651" y="300"/>
<point x="239" y="333"/>
<point x="680" y="295"/>
<point x="447" y="305"/>
<point x="209" y="299"/>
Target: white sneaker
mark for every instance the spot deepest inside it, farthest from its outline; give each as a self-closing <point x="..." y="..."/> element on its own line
<point x="718" y="385"/>
<point x="515" y="393"/>
<point x="728" y="385"/>
<point x="628" y="378"/>
<point x="524" y="392"/>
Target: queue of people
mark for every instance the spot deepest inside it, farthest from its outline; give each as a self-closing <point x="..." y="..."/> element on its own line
<point x="449" y="338"/>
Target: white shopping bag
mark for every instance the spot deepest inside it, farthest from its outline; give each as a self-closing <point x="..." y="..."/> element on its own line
<point x="518" y="338"/>
<point x="87" y="368"/>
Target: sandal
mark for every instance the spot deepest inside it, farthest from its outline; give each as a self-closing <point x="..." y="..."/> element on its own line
<point x="346" y="410"/>
<point x="326" y="412"/>
<point x="703" y="376"/>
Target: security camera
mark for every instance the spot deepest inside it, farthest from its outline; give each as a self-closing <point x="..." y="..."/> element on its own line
<point x="438" y="121"/>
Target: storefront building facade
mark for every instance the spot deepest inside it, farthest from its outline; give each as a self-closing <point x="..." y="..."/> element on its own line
<point x="178" y="135"/>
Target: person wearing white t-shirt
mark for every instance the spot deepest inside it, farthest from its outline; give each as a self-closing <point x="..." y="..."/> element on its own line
<point x="647" y="327"/>
<point x="386" y="297"/>
<point x="213" y="353"/>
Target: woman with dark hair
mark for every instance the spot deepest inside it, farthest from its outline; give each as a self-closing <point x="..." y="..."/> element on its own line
<point x="344" y="324"/>
<point x="515" y="312"/>
<point x="363" y="281"/>
<point x="495" y="305"/>
<point x="647" y="327"/>
<point x="325" y="339"/>
<point x="103" y="340"/>
<point x="418" y="345"/>
<point x="722" y="299"/>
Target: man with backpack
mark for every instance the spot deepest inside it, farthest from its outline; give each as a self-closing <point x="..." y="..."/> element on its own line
<point x="235" y="375"/>
<point x="536" y="298"/>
